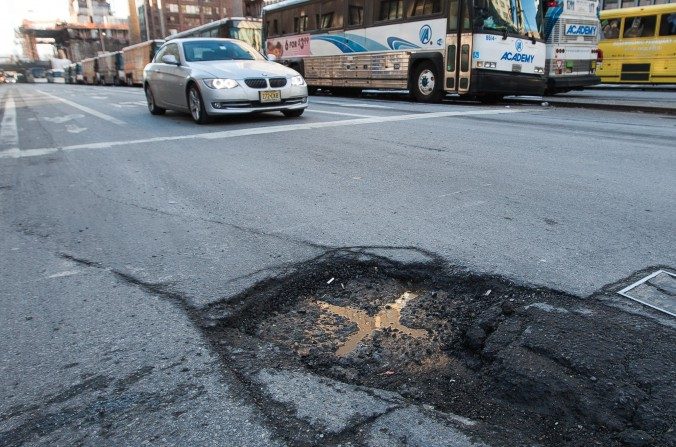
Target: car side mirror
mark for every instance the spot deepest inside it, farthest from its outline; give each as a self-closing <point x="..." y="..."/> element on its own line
<point x="170" y="59"/>
<point x="272" y="58"/>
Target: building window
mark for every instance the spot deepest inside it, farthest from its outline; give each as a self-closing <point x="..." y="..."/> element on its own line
<point x="172" y="7"/>
<point x="190" y="9"/>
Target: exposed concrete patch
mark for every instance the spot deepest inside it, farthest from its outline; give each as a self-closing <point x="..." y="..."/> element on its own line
<point x="326" y="404"/>
<point x="411" y="427"/>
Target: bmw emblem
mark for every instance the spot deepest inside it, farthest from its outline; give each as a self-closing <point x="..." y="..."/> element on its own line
<point x="519" y="46"/>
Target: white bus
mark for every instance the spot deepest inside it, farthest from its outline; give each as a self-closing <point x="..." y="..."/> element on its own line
<point x="246" y="29"/>
<point x="572" y="30"/>
<point x="480" y="48"/>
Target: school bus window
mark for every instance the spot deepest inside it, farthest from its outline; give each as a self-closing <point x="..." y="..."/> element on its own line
<point x="611" y="28"/>
<point x="643" y="26"/>
<point x="424" y="7"/>
<point x="355" y="12"/>
<point x="391" y="10"/>
<point x="668" y="25"/>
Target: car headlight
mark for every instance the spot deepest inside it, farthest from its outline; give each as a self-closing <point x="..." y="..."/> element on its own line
<point x="221" y="83"/>
<point x="297" y="80"/>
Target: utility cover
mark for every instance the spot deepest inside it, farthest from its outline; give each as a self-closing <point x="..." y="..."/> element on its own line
<point x="657" y="290"/>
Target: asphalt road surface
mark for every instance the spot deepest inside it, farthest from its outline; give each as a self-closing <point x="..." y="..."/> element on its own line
<point x="116" y="225"/>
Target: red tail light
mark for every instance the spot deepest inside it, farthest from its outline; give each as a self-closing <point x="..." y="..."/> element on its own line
<point x="552" y="3"/>
<point x="599" y="55"/>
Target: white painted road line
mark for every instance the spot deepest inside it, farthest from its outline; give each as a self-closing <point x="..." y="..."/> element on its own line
<point x="9" y="133"/>
<point x="264" y="130"/>
<point x="85" y="109"/>
<point x="337" y="113"/>
<point x="349" y="104"/>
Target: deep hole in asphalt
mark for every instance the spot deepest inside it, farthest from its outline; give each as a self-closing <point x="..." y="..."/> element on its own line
<point x="556" y="369"/>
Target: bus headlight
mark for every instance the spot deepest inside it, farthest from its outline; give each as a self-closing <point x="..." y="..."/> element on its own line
<point x="297" y="80"/>
<point x="219" y="84"/>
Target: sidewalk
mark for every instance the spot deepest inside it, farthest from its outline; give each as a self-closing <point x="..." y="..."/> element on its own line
<point x="620" y="98"/>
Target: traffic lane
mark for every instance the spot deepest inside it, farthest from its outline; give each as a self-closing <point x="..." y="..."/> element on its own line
<point x="478" y="196"/>
<point x="107" y="113"/>
<point x="90" y="359"/>
<point x="215" y="218"/>
<point x="99" y="207"/>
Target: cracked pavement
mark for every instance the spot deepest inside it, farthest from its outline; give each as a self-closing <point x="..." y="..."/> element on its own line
<point x="113" y="258"/>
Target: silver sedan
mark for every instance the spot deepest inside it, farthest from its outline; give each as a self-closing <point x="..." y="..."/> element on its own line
<point x="210" y="77"/>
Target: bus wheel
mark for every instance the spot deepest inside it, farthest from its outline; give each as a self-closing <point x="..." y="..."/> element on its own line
<point x="426" y="84"/>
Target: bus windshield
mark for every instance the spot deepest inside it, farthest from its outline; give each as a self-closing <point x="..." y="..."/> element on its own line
<point x="248" y="34"/>
<point x="523" y="17"/>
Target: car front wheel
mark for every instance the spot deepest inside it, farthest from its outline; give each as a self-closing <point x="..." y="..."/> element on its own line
<point x="199" y="114"/>
<point x="152" y="107"/>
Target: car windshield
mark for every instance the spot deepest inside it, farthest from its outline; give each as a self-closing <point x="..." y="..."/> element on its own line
<point x="218" y="50"/>
<point x="513" y="16"/>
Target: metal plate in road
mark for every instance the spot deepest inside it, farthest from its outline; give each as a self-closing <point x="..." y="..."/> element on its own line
<point x="657" y="290"/>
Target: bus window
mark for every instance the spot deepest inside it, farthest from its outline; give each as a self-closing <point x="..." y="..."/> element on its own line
<point x="639" y="26"/>
<point x="328" y="17"/>
<point x="466" y="25"/>
<point x="668" y="25"/>
<point x="355" y="12"/>
<point x="300" y="24"/>
<point x="611" y="28"/>
<point x="424" y="7"/>
<point x="453" y="18"/>
<point x="390" y="10"/>
<point x="287" y="22"/>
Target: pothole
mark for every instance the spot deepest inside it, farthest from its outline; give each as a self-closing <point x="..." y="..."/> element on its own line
<point x="556" y="369"/>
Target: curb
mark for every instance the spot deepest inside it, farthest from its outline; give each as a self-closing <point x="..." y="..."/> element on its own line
<point x="600" y="106"/>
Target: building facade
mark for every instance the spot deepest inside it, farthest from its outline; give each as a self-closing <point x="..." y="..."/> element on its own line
<point x="161" y="18"/>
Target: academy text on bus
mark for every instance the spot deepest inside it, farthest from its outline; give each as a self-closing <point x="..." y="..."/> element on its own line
<point x="572" y="32"/>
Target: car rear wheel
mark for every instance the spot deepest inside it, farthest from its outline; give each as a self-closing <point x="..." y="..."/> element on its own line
<point x="199" y="114"/>
<point x="293" y="113"/>
<point x="152" y="107"/>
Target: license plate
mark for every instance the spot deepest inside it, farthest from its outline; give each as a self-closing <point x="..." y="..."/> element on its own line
<point x="271" y="96"/>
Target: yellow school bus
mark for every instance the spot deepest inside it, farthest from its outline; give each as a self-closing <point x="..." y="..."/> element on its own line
<point x="638" y="45"/>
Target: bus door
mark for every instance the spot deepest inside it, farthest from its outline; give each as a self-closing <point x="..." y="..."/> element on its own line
<point x="458" y="55"/>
